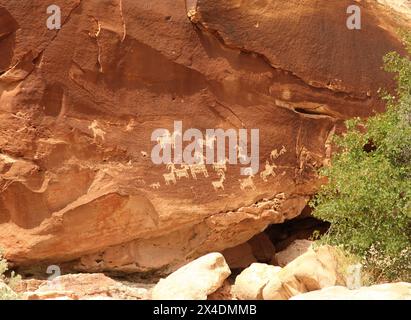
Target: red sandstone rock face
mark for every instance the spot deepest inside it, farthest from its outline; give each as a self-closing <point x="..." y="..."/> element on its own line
<point x="289" y="68"/>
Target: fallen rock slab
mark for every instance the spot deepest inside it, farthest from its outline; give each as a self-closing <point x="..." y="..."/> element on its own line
<point x="85" y="287"/>
<point x="388" y="291"/>
<point x="293" y="251"/>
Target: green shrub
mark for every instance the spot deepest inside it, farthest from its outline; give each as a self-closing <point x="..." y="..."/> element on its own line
<point x="367" y="198"/>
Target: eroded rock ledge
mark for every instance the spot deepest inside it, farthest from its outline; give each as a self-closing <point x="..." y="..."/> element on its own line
<point x="130" y="67"/>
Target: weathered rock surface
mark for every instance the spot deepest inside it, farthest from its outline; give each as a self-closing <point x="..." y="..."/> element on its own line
<point x="388" y="291"/>
<point x="250" y="283"/>
<point x="78" y="106"/>
<point x="85" y="287"/>
<point x="223" y="293"/>
<point x="239" y="257"/>
<point x="296" y="249"/>
<point x="194" y="281"/>
<point x="262" y="247"/>
<point x="314" y="270"/>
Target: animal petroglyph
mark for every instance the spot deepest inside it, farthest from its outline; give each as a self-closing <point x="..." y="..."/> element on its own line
<point x="170" y="177"/>
<point x="268" y="171"/>
<point x="182" y="172"/>
<point x="97" y="132"/>
<point x="220" y="165"/>
<point x="275" y="154"/>
<point x="155" y="185"/>
<point x="220" y="183"/>
<point x="241" y="155"/>
<point x="247" y="183"/>
<point x="198" y="169"/>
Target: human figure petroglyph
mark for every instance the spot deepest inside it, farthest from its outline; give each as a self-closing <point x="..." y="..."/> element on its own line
<point x="220" y="183"/>
<point x="268" y="171"/>
<point x="247" y="183"/>
<point x="306" y="160"/>
<point x="97" y="132"/>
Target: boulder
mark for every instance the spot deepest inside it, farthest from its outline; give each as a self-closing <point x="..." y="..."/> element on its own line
<point x="250" y="283"/>
<point x="85" y="287"/>
<point x="387" y="291"/>
<point x="293" y="251"/>
<point x="316" y="269"/>
<point x="194" y="281"/>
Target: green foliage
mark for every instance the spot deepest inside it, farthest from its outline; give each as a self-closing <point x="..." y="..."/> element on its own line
<point x="368" y="196"/>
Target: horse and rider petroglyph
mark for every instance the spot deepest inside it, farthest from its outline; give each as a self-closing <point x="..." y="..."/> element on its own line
<point x="268" y="171"/>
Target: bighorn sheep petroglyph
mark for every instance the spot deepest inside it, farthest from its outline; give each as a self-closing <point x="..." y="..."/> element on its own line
<point x="97" y="132"/>
<point x="170" y="177"/>
<point x="240" y="153"/>
<point x="182" y="172"/>
<point x="155" y="185"/>
<point x="220" y="183"/>
<point x="220" y="165"/>
<point x="198" y="169"/>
